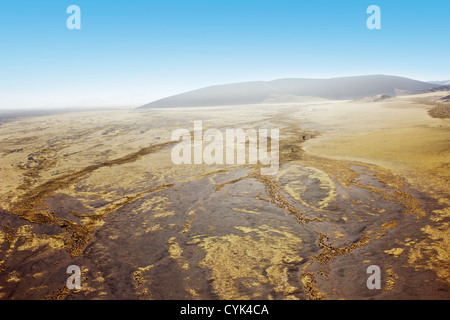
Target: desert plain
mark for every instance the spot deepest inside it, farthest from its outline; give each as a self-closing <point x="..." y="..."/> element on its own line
<point x="360" y="183"/>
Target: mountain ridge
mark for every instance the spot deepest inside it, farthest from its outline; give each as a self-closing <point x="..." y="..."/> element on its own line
<point x="293" y="90"/>
<point x="442" y="83"/>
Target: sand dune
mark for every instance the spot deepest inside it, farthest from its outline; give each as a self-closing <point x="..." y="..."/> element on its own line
<point x="293" y="90"/>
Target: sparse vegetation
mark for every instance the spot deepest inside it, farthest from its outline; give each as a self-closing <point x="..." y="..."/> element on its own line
<point x="441" y="111"/>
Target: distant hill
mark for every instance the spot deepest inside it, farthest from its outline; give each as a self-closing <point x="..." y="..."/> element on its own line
<point x="293" y="90"/>
<point x="435" y="89"/>
<point x="442" y="83"/>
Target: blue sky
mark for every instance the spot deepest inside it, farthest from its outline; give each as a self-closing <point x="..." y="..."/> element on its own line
<point x="132" y="52"/>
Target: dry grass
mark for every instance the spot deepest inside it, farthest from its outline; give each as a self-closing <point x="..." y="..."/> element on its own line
<point x="442" y="112"/>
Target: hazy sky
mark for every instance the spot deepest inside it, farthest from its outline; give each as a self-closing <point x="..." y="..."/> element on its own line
<point x="133" y="52"/>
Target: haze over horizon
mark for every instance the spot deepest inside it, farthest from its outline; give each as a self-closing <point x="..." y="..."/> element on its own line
<point x="130" y="53"/>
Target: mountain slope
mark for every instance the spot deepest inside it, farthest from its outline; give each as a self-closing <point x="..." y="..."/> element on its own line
<point x="442" y="83"/>
<point x="345" y="88"/>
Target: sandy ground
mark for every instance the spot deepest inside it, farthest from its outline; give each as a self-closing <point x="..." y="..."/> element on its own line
<point x="359" y="184"/>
